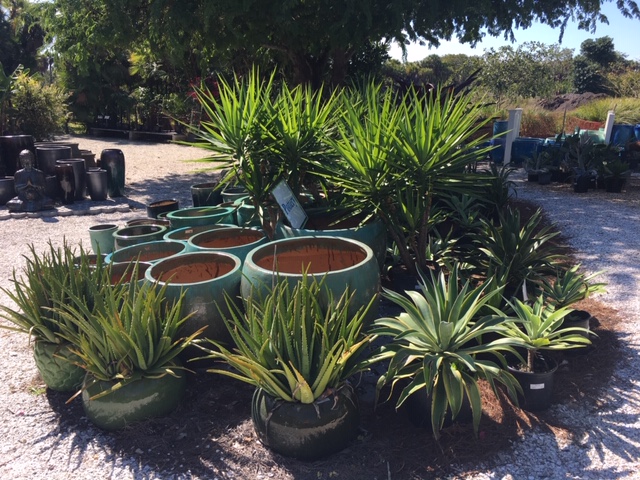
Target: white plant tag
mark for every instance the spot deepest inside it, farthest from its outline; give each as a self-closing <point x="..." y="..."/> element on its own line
<point x="536" y="386"/>
<point x="289" y="204"/>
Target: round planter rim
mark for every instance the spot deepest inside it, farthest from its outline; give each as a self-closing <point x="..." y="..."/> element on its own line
<point x="188" y="256"/>
<point x="207" y="211"/>
<point x="213" y="226"/>
<point x="217" y="231"/>
<point x="161" y="228"/>
<point x="141" y="246"/>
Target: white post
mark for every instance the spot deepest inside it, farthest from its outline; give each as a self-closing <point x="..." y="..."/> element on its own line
<point x="513" y="128"/>
<point x="608" y="127"/>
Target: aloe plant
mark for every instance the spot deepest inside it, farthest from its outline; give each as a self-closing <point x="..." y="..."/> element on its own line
<point x="48" y="279"/>
<point x="129" y="332"/>
<point x="290" y="346"/>
<point x="435" y="343"/>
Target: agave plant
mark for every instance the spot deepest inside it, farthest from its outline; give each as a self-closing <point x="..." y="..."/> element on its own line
<point x="291" y="347"/>
<point x="435" y="343"/>
<point x="130" y="332"/>
<point x="570" y="286"/>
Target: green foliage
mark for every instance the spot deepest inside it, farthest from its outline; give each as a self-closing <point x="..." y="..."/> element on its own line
<point x="37" y="109"/>
<point x="291" y="347"/>
<point x="49" y="279"/>
<point x="128" y="333"/>
<point x="540" y="327"/>
<point x="625" y="81"/>
<point x="627" y="110"/>
<point x="569" y="286"/>
<point x="588" y="76"/>
<point x="600" y="51"/>
<point x="435" y="342"/>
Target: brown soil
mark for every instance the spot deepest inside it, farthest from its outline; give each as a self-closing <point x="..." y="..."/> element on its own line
<point x="199" y="270"/>
<point x="228" y="238"/>
<point x="211" y="435"/>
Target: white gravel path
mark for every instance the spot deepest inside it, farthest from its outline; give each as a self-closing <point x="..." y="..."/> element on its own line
<point x="604" y="229"/>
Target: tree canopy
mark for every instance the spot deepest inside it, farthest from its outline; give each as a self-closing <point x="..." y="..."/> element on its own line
<point x="313" y="40"/>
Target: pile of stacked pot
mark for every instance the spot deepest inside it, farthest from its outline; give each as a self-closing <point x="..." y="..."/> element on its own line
<point x="217" y="254"/>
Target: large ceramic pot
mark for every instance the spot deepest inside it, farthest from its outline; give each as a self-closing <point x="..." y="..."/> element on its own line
<point x="333" y="224"/>
<point x="205" y="194"/>
<point x="306" y="431"/>
<point x="123" y="272"/>
<point x="235" y="240"/>
<point x="206" y="278"/>
<point x="127" y="236"/>
<point x="342" y="263"/>
<point x="74" y="146"/>
<point x="233" y="193"/>
<point x="48" y="156"/>
<point x="149" y="252"/>
<point x="185" y="233"/>
<point x="112" y="160"/>
<point x="89" y="158"/>
<point x="191" y="217"/>
<point x="138" y="400"/>
<point x="7" y="190"/>
<point x="56" y="367"/>
<point x="79" y="176"/>
<point x="97" y="184"/>
<point x="537" y="387"/>
<point x="101" y="237"/>
<point x="10" y="148"/>
<point x="161" y="206"/>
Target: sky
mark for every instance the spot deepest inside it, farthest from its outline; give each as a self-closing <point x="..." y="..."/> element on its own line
<point x="624" y="32"/>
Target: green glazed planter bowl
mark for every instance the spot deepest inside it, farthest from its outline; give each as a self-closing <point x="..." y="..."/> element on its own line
<point x="204" y="277"/>
<point x="343" y="263"/>
<point x="148" y="252"/>
<point x="235" y="240"/>
<point x="127" y="236"/>
<point x="306" y="431"/>
<point x="54" y="362"/>
<point x="185" y="233"/>
<point x="191" y="217"/>
<point x="123" y="272"/>
<point x="136" y="401"/>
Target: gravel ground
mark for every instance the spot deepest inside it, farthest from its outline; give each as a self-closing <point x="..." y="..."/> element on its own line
<point x="603" y="229"/>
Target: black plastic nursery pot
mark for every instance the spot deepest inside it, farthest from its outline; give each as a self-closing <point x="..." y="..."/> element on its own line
<point x="537" y="387"/>
<point x="306" y="431"/>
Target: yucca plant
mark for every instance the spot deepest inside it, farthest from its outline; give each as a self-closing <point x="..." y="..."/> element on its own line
<point x="129" y="333"/>
<point x="435" y="343"/>
<point x="291" y="347"/>
<point x="48" y="279"/>
<point x="540" y="327"/>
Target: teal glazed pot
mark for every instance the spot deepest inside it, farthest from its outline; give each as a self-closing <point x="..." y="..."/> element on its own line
<point x="122" y="273"/>
<point x="136" y="401"/>
<point x="343" y="263"/>
<point x="205" y="194"/>
<point x="185" y="233"/>
<point x="333" y="224"/>
<point x="55" y="365"/>
<point x="102" y="240"/>
<point x="233" y="193"/>
<point x="195" y="216"/>
<point x="205" y="277"/>
<point x="127" y="236"/>
<point x="306" y="431"/>
<point x="235" y="240"/>
<point x="148" y="252"/>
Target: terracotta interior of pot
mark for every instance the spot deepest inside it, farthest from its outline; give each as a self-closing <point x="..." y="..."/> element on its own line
<point x="187" y="233"/>
<point x="192" y="268"/>
<point x="148" y="253"/>
<point x="228" y="238"/>
<point x="328" y="255"/>
<point x="124" y="272"/>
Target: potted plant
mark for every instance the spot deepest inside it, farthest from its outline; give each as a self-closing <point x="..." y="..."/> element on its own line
<point x="536" y="168"/>
<point x="434" y="348"/>
<point x="538" y="328"/>
<point x="615" y="175"/>
<point x="48" y="279"/>
<point x="577" y="149"/>
<point x="299" y="355"/>
<point x="127" y="342"/>
<point x="568" y="287"/>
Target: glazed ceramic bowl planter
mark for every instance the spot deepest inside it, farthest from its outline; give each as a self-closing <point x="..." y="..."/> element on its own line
<point x="235" y="240"/>
<point x="56" y="365"/>
<point x="306" y="431"/>
<point x="127" y="236"/>
<point x="344" y="263"/>
<point x="137" y="400"/>
<point x="185" y="233"/>
<point x="191" y="217"/>
<point x="204" y="277"/>
<point x="148" y="252"/>
<point x="330" y="224"/>
<point x="101" y="235"/>
<point x="123" y="273"/>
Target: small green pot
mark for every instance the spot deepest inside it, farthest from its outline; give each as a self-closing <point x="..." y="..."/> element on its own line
<point x="102" y="237"/>
<point x="127" y="236"/>
<point x="136" y="401"/>
<point x="306" y="431"/>
<point x="56" y="367"/>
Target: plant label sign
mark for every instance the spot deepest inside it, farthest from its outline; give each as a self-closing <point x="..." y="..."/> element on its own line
<point x="289" y="204"/>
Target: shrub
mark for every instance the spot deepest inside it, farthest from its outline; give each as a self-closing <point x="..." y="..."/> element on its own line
<point x="627" y="110"/>
<point x="37" y="109"/>
<point x="539" y="123"/>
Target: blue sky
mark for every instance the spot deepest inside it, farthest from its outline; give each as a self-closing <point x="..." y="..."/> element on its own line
<point x="624" y="32"/>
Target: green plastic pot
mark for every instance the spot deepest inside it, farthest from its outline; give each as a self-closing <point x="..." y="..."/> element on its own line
<point x="54" y="362"/>
<point x="136" y="401"/>
<point x="306" y="431"/>
<point x="343" y="263"/>
<point x="191" y="217"/>
<point x="149" y="252"/>
<point x="235" y="240"/>
<point x="204" y="277"/>
<point x="127" y="236"/>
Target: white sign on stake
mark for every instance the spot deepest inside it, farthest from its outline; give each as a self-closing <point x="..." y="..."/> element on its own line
<point x="289" y="204"/>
